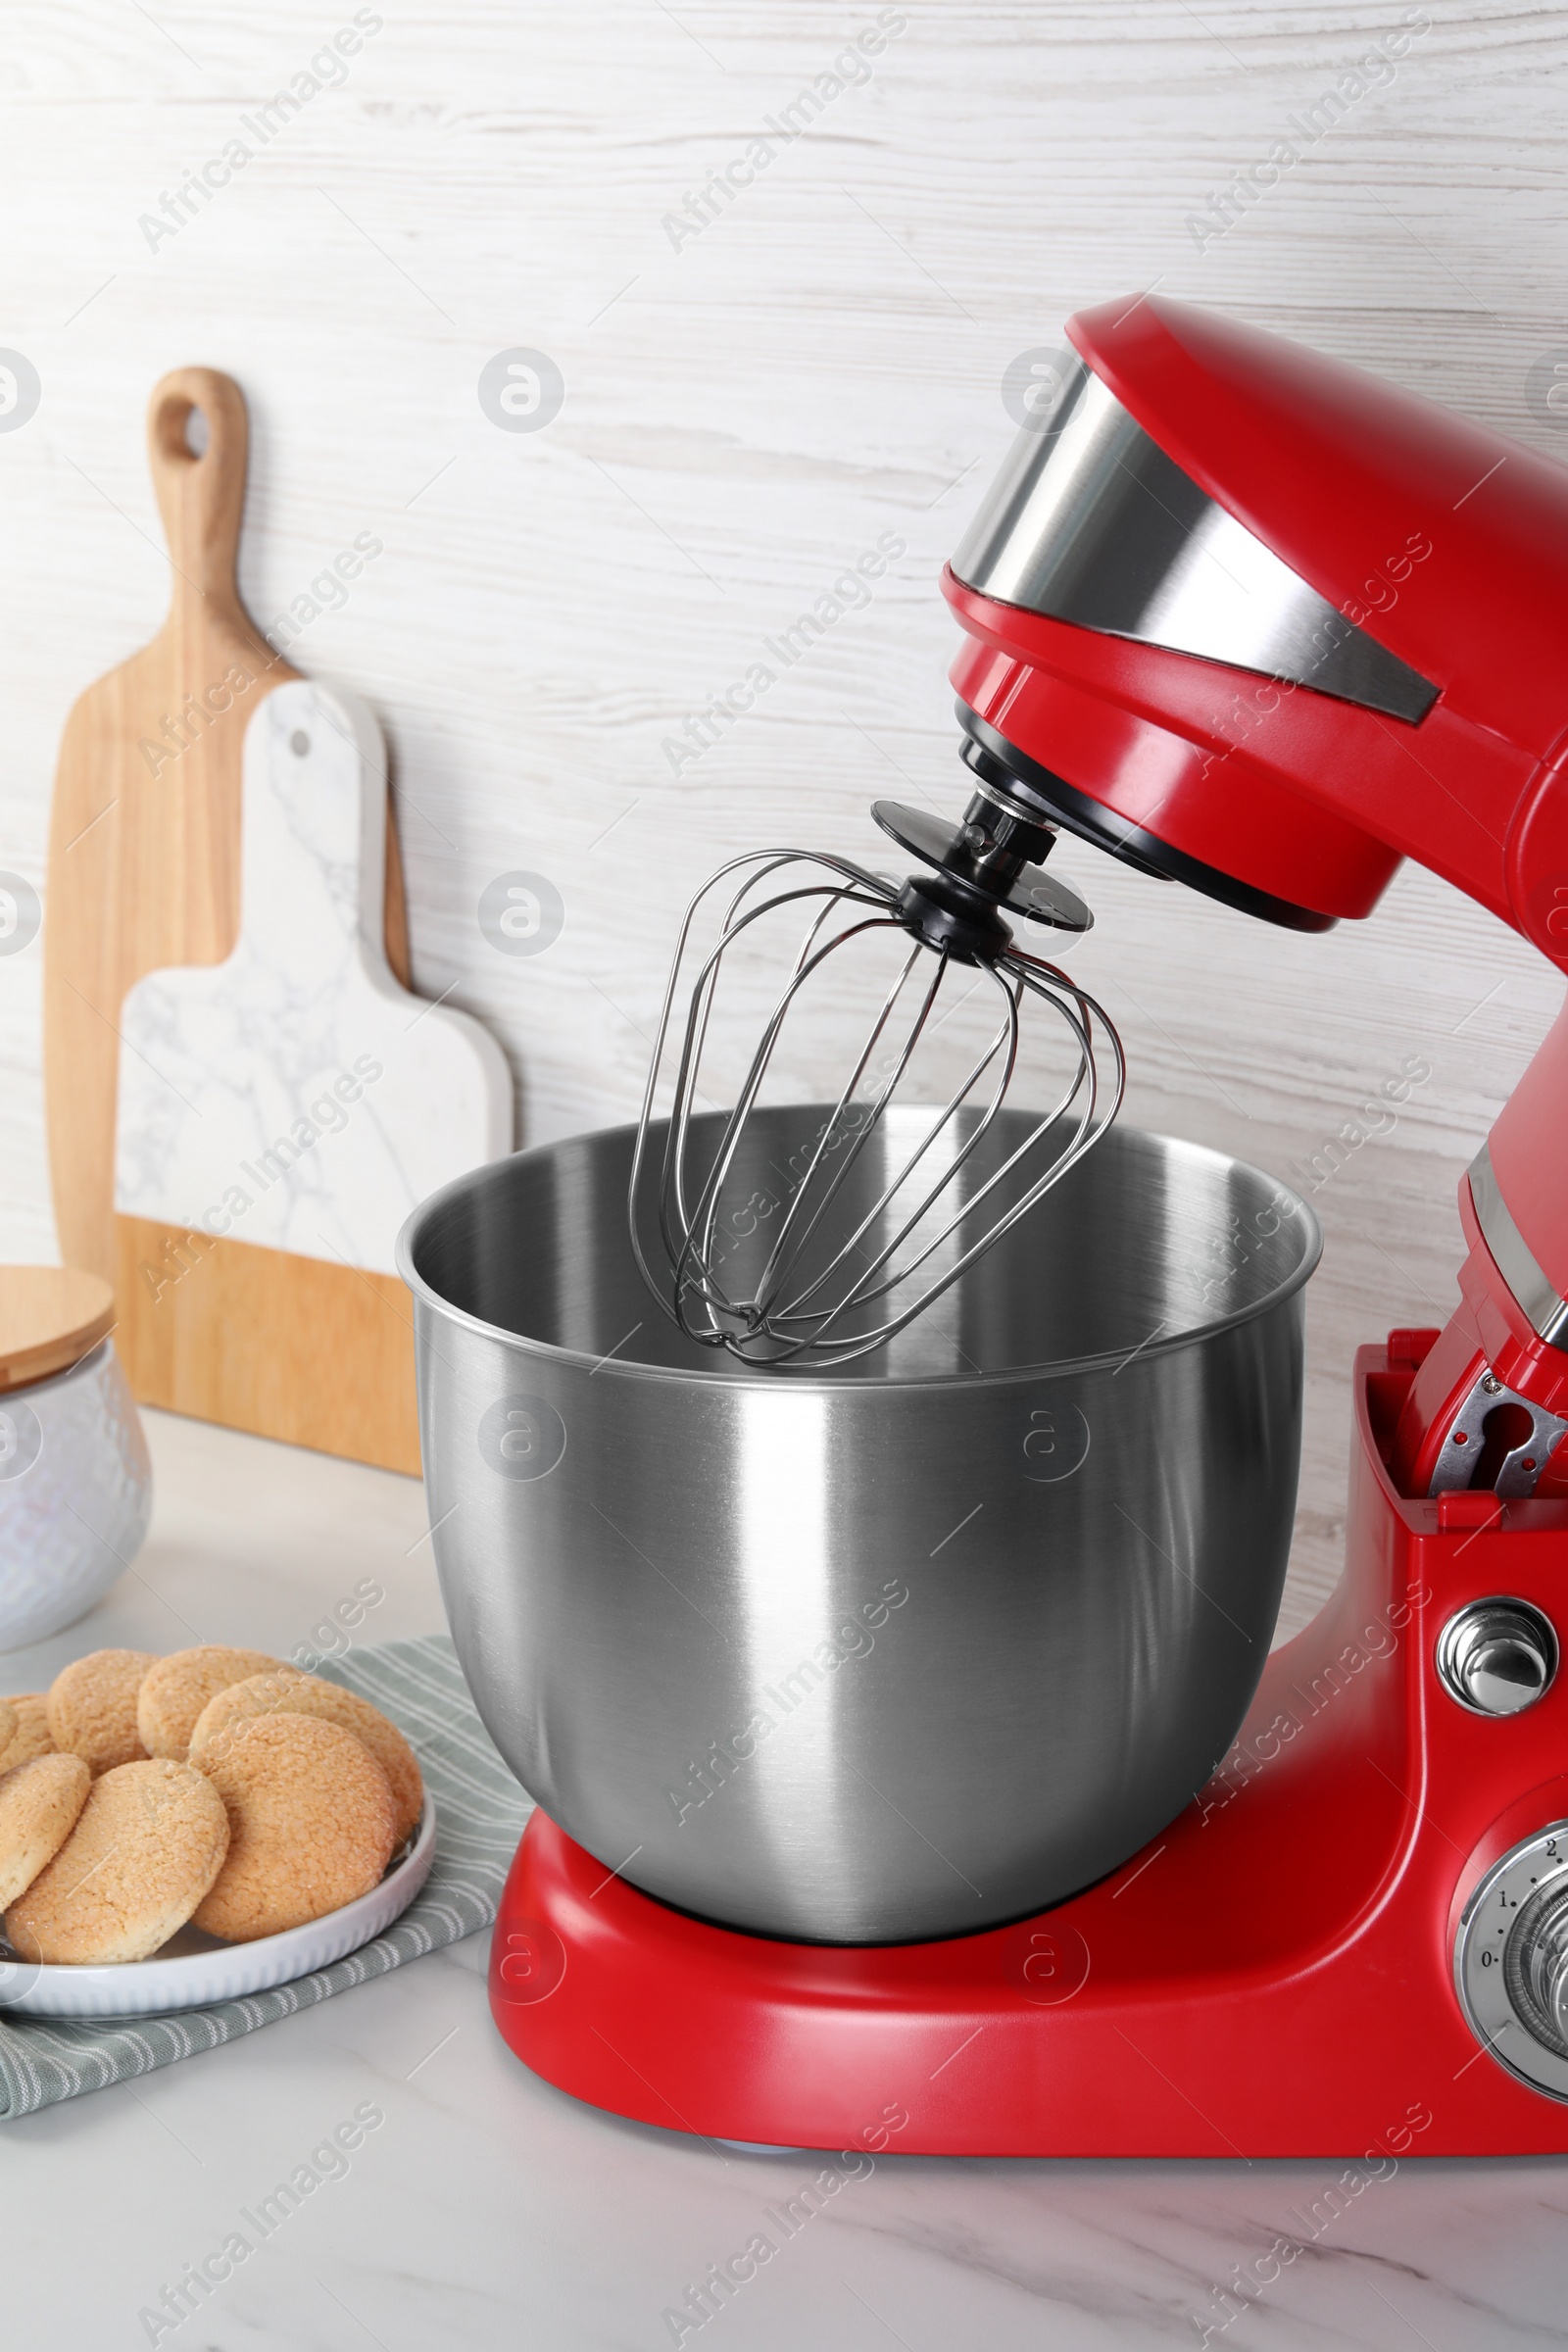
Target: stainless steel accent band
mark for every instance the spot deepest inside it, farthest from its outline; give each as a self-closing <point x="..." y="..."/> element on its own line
<point x="1545" y="1309"/>
<point x="1090" y="521"/>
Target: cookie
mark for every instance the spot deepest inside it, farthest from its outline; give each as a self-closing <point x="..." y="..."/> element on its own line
<point x="150" y="1842"/>
<point x="293" y="1693"/>
<point x="39" y="1802"/>
<point x="31" y="1736"/>
<point x="176" y="1690"/>
<point x="311" y="1824"/>
<point x="8" y="1723"/>
<point x="92" y="1707"/>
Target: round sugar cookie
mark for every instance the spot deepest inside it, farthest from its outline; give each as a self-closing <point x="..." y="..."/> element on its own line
<point x="311" y="1824"/>
<point x="175" y="1690"/>
<point x="150" y="1840"/>
<point x="92" y="1707"/>
<point x="292" y="1693"/>
<point x="8" y="1723"/>
<point x="39" y="1802"/>
<point x="31" y="1736"/>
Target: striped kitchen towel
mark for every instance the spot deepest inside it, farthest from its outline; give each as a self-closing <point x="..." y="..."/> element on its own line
<point x="480" y="1811"/>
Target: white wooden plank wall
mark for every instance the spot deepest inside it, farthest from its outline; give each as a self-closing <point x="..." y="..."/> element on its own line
<point x="745" y="413"/>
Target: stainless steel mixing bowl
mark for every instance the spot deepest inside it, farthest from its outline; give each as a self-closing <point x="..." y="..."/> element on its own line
<point x="897" y="1653"/>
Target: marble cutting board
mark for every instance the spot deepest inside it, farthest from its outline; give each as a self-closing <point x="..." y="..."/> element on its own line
<point x="284" y="1110"/>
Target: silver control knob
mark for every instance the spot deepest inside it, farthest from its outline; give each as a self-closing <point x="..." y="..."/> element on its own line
<point x="1497" y="1656"/>
<point x="1511" y="1961"/>
<point x="1545" y="1963"/>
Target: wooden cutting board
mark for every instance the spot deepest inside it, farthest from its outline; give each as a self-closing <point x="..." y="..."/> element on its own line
<point x="297" y="1098"/>
<point x="144" y="871"/>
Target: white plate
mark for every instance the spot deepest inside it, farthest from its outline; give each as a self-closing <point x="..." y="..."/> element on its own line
<point x="194" y="1970"/>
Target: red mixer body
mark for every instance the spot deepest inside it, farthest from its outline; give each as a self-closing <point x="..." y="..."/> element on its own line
<point x="1272" y="1975"/>
<point x="1275" y="1974"/>
<point x="1448" y="545"/>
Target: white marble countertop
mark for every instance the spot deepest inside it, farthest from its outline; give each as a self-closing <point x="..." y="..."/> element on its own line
<point x="488" y="2210"/>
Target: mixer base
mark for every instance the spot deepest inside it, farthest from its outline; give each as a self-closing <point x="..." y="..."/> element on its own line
<point x="1270" y="1976"/>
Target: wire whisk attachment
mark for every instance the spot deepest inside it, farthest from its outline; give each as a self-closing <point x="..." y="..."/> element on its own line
<point x="824" y="1257"/>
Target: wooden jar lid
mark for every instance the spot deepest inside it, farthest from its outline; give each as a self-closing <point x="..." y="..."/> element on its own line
<point x="50" y="1318"/>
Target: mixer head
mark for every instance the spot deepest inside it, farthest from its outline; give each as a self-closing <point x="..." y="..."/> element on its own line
<point x="828" y="1260"/>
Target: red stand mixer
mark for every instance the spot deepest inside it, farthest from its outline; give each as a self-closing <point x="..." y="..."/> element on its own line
<point x="1253" y="620"/>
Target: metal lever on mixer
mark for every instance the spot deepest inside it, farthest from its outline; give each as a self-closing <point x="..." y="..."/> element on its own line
<point x="1496" y="1441"/>
<point x="1464" y="1430"/>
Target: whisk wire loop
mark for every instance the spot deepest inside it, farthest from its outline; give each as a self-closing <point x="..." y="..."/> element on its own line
<point x="699" y="1229"/>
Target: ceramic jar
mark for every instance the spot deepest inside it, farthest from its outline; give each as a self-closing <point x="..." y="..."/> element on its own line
<point x="76" y="1481"/>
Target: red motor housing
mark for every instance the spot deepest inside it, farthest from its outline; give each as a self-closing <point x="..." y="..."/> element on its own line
<point x="1424" y="714"/>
